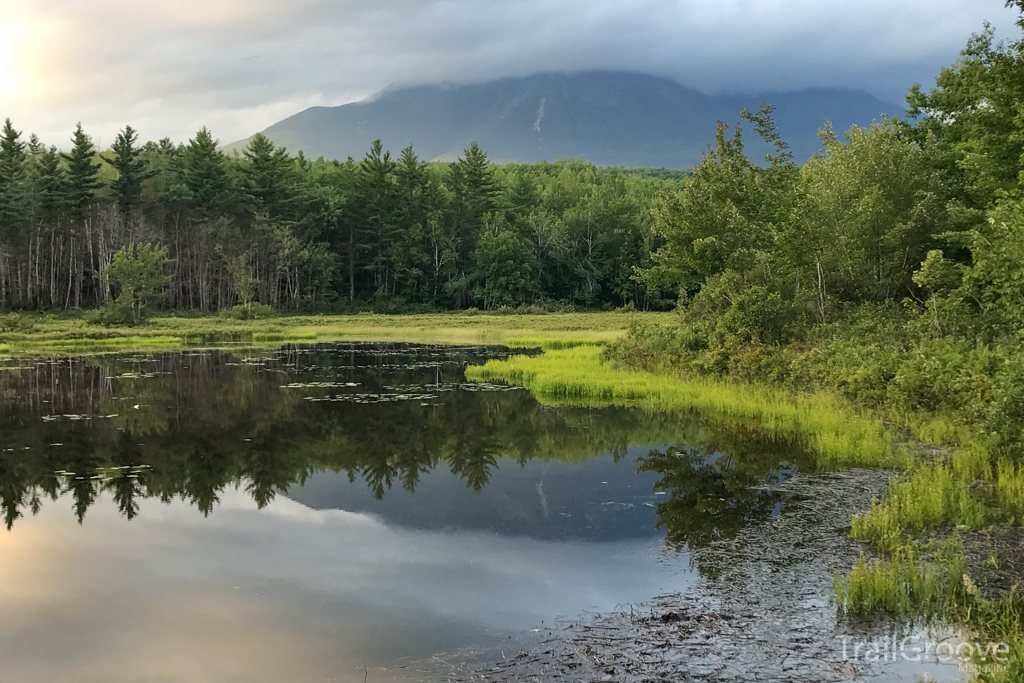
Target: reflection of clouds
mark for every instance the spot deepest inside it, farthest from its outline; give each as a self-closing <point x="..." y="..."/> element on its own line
<point x="239" y="65"/>
<point x="281" y="593"/>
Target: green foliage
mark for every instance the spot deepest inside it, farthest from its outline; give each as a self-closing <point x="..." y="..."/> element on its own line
<point x="995" y="278"/>
<point x="82" y="179"/>
<point x="131" y="170"/>
<point x="117" y="313"/>
<point x="721" y="217"/>
<point x="140" y="272"/>
<point x="250" y="311"/>
<point x="504" y="268"/>
<point x="13" y="209"/>
<point x="14" y="322"/>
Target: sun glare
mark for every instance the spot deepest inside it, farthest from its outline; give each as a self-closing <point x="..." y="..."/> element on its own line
<point x="10" y="78"/>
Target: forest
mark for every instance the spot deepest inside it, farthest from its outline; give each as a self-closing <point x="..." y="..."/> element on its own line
<point x="264" y="229"/>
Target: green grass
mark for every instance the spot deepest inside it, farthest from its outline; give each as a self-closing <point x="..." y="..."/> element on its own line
<point x="839" y="436"/>
<point x="929" y="496"/>
<point x="932" y="580"/>
<point x="49" y="334"/>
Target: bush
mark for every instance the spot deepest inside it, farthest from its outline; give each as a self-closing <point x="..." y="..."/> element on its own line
<point x="113" y="314"/>
<point x="252" y="311"/>
<point x="14" y="322"/>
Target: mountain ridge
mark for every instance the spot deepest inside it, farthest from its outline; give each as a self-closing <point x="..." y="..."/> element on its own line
<point x="610" y="118"/>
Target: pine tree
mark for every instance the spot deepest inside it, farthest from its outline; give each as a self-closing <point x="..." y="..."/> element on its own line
<point x="50" y="187"/>
<point x="408" y="251"/>
<point x="12" y="182"/>
<point x="131" y="171"/>
<point x="375" y="193"/>
<point x="204" y="175"/>
<point x="267" y="175"/>
<point x="82" y="176"/>
<point x="471" y="181"/>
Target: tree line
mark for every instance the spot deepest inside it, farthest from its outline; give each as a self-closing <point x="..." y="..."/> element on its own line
<point x="270" y="228"/>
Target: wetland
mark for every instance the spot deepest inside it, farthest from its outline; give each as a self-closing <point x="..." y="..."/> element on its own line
<point x="362" y="511"/>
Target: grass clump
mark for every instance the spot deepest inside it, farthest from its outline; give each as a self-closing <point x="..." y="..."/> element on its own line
<point x="930" y="579"/>
<point x="930" y="495"/>
<point x="551" y="343"/>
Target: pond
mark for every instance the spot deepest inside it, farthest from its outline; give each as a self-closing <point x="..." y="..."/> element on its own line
<point x="338" y="512"/>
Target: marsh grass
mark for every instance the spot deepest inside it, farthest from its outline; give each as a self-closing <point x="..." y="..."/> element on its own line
<point x="928" y="580"/>
<point x="929" y="496"/>
<point x="837" y="435"/>
<point x="554" y="343"/>
<point x="49" y="334"/>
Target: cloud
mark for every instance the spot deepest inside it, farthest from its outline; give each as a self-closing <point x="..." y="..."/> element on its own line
<point x="239" y="65"/>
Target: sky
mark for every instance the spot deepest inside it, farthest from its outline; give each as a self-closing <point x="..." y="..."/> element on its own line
<point x="237" y="66"/>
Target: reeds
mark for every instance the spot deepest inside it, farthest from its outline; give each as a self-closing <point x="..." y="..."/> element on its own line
<point x="839" y="436"/>
<point x="930" y="580"/>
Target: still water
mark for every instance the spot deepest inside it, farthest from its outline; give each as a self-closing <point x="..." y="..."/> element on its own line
<point x="330" y="512"/>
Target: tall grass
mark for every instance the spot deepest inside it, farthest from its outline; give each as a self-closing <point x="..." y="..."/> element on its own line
<point x="931" y="580"/>
<point x="839" y="436"/>
<point x="929" y="496"/>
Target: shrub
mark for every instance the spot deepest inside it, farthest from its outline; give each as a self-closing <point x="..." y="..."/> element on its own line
<point x="118" y="313"/>
<point x="251" y="311"/>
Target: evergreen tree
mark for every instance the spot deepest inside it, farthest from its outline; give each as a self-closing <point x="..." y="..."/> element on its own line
<point x="50" y="186"/>
<point x="13" y="199"/>
<point x="82" y="176"/>
<point x="203" y="174"/>
<point x="267" y="177"/>
<point x="131" y="171"/>
<point x="375" y="197"/>
<point x="473" y="189"/>
<point x="408" y="252"/>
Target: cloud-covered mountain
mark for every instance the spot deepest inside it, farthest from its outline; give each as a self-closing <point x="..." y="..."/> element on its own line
<point x="609" y="118"/>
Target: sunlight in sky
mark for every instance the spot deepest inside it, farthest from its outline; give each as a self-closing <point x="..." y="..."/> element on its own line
<point x="10" y="78"/>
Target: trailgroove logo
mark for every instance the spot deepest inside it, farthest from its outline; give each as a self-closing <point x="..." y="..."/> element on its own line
<point x="970" y="656"/>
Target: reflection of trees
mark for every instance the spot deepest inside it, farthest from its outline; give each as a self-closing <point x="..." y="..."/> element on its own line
<point x="126" y="481"/>
<point x="206" y="422"/>
<point x="710" y="497"/>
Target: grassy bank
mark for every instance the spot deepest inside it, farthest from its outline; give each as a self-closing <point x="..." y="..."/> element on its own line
<point x="47" y="334"/>
<point x="839" y="436"/>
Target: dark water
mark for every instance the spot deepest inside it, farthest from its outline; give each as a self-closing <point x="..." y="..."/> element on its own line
<point x="334" y="512"/>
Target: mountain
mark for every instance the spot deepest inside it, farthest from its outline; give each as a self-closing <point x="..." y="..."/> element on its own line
<point x="609" y="118"/>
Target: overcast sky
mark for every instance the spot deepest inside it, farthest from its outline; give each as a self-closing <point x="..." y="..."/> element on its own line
<point x="168" y="67"/>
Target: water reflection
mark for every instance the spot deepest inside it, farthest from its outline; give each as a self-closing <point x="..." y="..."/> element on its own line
<point x="293" y="515"/>
<point x="187" y="426"/>
<point x="713" y="496"/>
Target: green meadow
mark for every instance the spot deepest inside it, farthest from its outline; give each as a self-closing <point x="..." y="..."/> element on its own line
<point x="51" y="334"/>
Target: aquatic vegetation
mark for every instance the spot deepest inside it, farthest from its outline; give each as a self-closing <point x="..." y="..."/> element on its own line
<point x="550" y="343"/>
<point x="928" y="496"/>
<point x="930" y="580"/>
<point x="839" y="436"/>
